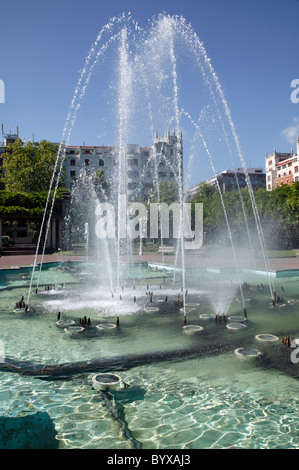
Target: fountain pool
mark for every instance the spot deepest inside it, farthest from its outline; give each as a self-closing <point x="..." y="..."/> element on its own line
<point x="170" y="333"/>
<point x="183" y="391"/>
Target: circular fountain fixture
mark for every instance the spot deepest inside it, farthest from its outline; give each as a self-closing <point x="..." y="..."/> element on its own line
<point x="64" y="322"/>
<point x="74" y="330"/>
<point x="151" y="309"/>
<point x="106" y="326"/>
<point x="247" y="353"/>
<point x="192" y="328"/>
<point x="237" y="319"/>
<point x="207" y="316"/>
<point x="20" y="310"/>
<point x="235" y="326"/>
<point x="187" y="309"/>
<point x="266" y="337"/>
<point x="102" y="382"/>
<point x="277" y="304"/>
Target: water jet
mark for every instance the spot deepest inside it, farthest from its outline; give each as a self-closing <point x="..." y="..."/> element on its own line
<point x="101" y="286"/>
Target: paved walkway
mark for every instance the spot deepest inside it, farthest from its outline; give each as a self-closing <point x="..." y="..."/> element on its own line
<point x="27" y="259"/>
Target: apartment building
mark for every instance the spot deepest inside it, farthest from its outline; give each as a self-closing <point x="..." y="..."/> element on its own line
<point x="9" y="138"/>
<point x="144" y="166"/>
<point x="230" y="180"/>
<point x="281" y="168"/>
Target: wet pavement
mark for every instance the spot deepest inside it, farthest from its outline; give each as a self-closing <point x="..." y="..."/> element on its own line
<point x="15" y="256"/>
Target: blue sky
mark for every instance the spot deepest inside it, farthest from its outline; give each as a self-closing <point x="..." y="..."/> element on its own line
<point x="253" y="46"/>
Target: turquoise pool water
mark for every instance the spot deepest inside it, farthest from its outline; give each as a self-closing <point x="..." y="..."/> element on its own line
<point x="211" y="399"/>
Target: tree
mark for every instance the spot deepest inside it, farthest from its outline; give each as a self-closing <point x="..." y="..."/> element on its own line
<point x="168" y="192"/>
<point x="278" y="213"/>
<point x="101" y="185"/>
<point x="29" y="208"/>
<point x="29" y="168"/>
<point x="205" y="190"/>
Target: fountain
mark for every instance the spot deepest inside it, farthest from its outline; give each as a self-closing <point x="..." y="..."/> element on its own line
<point x="86" y="237"/>
<point x="155" y="53"/>
<point x="176" y="328"/>
<point x="107" y="382"/>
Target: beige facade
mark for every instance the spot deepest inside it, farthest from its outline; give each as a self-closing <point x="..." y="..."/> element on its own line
<point x="282" y="168"/>
<point x="144" y="165"/>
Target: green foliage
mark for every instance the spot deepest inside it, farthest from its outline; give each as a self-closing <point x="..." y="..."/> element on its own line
<point x="26" y="205"/>
<point x="101" y="185"/>
<point x="29" y="168"/>
<point x="168" y="192"/>
<point x="278" y="212"/>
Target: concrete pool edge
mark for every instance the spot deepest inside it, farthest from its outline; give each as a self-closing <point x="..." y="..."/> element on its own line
<point x="279" y="273"/>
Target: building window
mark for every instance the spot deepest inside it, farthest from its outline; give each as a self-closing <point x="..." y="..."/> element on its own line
<point x="132" y="185"/>
<point x="87" y="162"/>
<point x="287" y="182"/>
<point x="133" y="162"/>
<point x="270" y="163"/>
<point x="269" y="186"/>
<point x="269" y="177"/>
<point x="101" y="162"/>
<point x="87" y="152"/>
<point x="162" y="174"/>
<point x="73" y="162"/>
<point x="73" y="173"/>
<point x="132" y="174"/>
<point x="22" y="233"/>
<point x="296" y="169"/>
